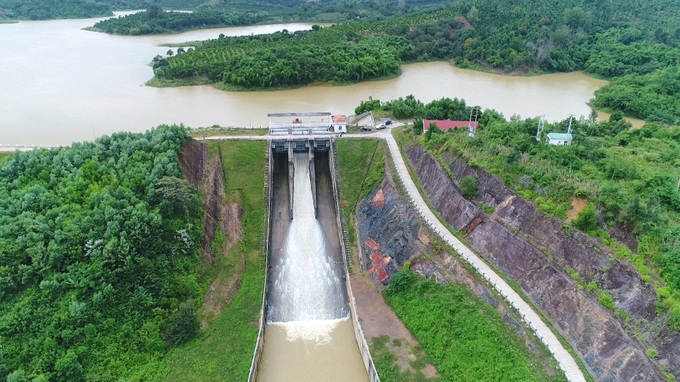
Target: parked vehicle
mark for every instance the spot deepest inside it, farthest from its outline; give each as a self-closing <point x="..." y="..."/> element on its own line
<point x="388" y="122"/>
<point x="366" y="128"/>
<point x="380" y="126"/>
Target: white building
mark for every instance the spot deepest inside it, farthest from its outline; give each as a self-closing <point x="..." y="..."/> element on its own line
<point x="299" y="123"/>
<point x="562" y="139"/>
<point x="339" y="124"/>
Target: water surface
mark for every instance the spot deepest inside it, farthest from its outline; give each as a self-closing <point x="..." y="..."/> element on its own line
<point x="62" y="84"/>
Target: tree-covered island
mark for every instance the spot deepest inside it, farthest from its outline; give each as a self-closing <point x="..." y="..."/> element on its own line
<point x="636" y="47"/>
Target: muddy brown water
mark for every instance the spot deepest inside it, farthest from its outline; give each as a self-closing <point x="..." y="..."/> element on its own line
<point x="311" y="352"/>
<point x="62" y="84"/>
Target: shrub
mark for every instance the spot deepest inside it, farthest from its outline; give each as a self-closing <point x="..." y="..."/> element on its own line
<point x="587" y="219"/>
<point x="184" y="325"/>
<point x="468" y="187"/>
<point x="651" y="353"/>
<point x="606" y="300"/>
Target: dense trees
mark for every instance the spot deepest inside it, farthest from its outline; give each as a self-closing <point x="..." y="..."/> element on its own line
<point x="653" y="96"/>
<point x="51" y="9"/>
<point x="287" y="59"/>
<point x="97" y="257"/>
<point x="58" y="9"/>
<point x="155" y="21"/>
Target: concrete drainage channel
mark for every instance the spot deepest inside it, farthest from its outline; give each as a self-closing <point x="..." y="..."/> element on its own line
<point x="564" y="360"/>
<point x="286" y="341"/>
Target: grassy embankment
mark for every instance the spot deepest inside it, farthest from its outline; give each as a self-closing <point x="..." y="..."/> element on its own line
<point x="468" y="340"/>
<point x="224" y="351"/>
<point x="215" y="130"/>
<point x="459" y="334"/>
<point x="362" y="165"/>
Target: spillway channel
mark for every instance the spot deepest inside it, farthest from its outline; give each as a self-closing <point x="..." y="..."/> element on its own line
<point x="309" y="334"/>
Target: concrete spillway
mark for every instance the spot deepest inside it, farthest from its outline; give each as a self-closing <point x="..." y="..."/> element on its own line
<point x="307" y="278"/>
<point x="309" y="334"/>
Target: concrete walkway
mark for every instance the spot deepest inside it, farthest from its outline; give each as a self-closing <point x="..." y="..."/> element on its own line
<point x="565" y="361"/>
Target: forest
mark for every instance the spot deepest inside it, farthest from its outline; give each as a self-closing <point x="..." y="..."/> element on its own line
<point x="270" y="10"/>
<point x="71" y="9"/>
<point x="636" y="47"/>
<point x="98" y="254"/>
<point x="156" y="21"/>
<point x="629" y="177"/>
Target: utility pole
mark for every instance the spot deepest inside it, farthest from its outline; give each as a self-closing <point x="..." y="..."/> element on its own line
<point x="541" y="121"/>
<point x="571" y="118"/>
<point x="472" y="130"/>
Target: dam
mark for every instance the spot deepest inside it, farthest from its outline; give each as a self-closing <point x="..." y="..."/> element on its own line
<point x="308" y="329"/>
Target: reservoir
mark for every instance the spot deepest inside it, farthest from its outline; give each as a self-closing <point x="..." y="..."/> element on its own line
<point x="62" y="84"/>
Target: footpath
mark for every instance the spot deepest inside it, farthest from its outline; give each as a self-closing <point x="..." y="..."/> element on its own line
<point x="564" y="360"/>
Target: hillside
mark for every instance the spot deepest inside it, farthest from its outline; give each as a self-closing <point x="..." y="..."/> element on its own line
<point x="98" y="258"/>
<point x="72" y="9"/>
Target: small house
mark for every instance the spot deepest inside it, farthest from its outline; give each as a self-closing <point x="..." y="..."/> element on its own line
<point x="561" y="139"/>
<point x="339" y="124"/>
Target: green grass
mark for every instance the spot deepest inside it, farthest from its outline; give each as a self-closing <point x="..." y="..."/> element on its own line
<point x="386" y="362"/>
<point x="4" y="156"/>
<point x="361" y="164"/>
<point x="467" y="340"/>
<point x="166" y="83"/>
<point x="216" y="130"/>
<point x="224" y="351"/>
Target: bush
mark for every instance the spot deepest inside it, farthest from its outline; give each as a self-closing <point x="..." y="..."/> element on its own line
<point x="468" y="187"/>
<point x="587" y="219"/>
<point x="184" y="325"/>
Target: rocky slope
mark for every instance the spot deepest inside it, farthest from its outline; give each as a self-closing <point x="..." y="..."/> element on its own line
<point x="221" y="219"/>
<point x="391" y="234"/>
<point x="206" y="175"/>
<point x="536" y="251"/>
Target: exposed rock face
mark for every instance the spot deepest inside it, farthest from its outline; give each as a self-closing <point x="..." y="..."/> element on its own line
<point x="385" y="245"/>
<point x="390" y="234"/>
<point x="206" y="175"/>
<point x="536" y="250"/>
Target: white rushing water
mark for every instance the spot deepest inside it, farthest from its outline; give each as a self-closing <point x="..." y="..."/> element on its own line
<point x="309" y="285"/>
<point x="309" y="336"/>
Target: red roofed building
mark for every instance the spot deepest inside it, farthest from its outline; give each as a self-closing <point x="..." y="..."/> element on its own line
<point x="339" y="124"/>
<point x="447" y="124"/>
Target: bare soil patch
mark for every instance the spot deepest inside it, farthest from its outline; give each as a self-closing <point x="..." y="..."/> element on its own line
<point x="378" y="319"/>
<point x="577" y="205"/>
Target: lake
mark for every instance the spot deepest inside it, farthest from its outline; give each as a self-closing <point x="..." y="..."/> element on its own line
<point x="62" y="84"/>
